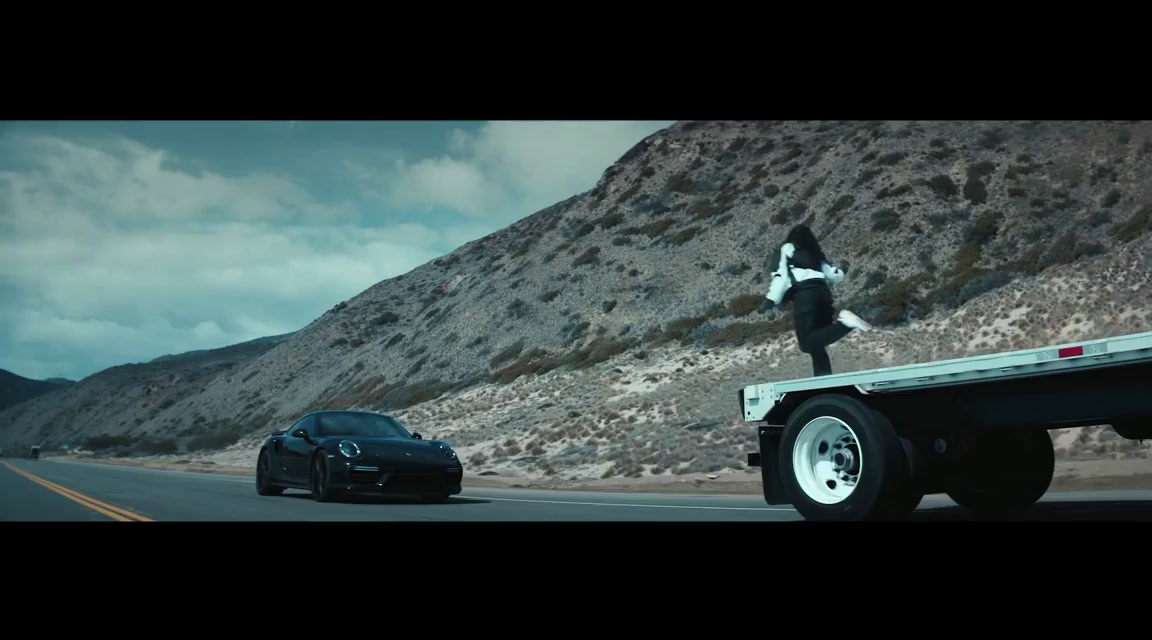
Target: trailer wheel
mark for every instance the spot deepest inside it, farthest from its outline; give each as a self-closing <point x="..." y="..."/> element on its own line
<point x="1006" y="471"/>
<point x="841" y="460"/>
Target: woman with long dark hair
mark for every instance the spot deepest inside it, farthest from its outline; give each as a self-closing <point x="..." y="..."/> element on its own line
<point x="803" y="276"/>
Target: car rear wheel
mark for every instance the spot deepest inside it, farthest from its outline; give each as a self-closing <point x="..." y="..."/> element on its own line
<point x="318" y="479"/>
<point x="264" y="485"/>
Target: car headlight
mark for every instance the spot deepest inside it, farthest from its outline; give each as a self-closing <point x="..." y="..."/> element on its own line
<point x="448" y="451"/>
<point x="349" y="449"/>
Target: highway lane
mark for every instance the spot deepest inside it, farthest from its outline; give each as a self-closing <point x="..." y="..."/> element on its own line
<point x="48" y="490"/>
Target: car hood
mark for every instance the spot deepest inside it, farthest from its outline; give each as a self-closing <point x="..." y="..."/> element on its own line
<point x="397" y="447"/>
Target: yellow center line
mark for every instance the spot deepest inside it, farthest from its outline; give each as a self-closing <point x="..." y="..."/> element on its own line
<point x="114" y="512"/>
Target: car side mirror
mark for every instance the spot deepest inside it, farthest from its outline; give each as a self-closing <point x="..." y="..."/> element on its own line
<point x="300" y="433"/>
<point x="417" y="436"/>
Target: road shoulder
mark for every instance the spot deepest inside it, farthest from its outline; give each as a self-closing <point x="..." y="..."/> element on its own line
<point x="1080" y="475"/>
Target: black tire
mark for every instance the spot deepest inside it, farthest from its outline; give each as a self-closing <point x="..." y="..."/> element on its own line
<point x="264" y="485"/>
<point x="1007" y="471"/>
<point x="884" y="488"/>
<point x="318" y="479"/>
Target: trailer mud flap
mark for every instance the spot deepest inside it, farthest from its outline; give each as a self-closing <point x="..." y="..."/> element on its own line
<point x="766" y="458"/>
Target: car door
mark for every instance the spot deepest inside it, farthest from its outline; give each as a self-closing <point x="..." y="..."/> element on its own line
<point x="297" y="451"/>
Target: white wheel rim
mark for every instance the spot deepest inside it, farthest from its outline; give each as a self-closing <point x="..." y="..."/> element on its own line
<point x="826" y="460"/>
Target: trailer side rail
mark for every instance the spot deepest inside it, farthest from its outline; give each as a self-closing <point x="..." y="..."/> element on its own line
<point x="1031" y="362"/>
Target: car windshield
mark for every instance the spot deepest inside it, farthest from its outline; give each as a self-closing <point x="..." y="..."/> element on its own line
<point x="359" y="424"/>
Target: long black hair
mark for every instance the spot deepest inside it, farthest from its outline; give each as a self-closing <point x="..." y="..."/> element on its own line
<point x="801" y="237"/>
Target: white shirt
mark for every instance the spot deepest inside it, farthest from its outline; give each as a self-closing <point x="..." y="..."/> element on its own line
<point x="780" y="284"/>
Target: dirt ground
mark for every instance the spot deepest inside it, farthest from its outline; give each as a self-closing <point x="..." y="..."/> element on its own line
<point x="1080" y="475"/>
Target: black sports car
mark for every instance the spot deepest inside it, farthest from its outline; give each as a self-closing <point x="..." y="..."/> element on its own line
<point x="335" y="452"/>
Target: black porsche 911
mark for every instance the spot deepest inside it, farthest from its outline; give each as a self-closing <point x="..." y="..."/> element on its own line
<point x="335" y="452"/>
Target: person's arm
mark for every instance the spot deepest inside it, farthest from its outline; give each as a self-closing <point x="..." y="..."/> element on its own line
<point x="778" y="285"/>
<point x="833" y="275"/>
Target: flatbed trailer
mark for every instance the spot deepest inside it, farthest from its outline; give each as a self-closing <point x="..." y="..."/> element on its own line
<point x="870" y="445"/>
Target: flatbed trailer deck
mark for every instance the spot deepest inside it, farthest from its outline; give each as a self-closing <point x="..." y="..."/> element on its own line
<point x="870" y="444"/>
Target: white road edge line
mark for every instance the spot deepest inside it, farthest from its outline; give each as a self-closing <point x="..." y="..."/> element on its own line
<point x="621" y="504"/>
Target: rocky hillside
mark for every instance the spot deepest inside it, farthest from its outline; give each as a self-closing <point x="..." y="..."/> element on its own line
<point x="607" y="334"/>
<point x="115" y="401"/>
<point x="15" y="389"/>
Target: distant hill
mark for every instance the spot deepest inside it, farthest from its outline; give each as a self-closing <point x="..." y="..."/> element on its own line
<point x="259" y="345"/>
<point x="118" y="397"/>
<point x="15" y="389"/>
<point x="608" y="334"/>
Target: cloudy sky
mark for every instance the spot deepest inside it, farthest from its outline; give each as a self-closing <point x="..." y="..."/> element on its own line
<point x="124" y="241"/>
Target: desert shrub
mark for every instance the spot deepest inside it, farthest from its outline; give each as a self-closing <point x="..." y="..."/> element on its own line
<point x="620" y="241"/>
<point x="157" y="447"/>
<point x="981" y="169"/>
<point x="980" y="285"/>
<point x="789" y="213"/>
<point x="629" y="192"/>
<point x="517" y="308"/>
<point x="885" y="220"/>
<point x="599" y="350"/>
<point x="1134" y="226"/>
<point x="680" y="183"/>
<point x="610" y="220"/>
<point x="104" y="441"/>
<point x="508" y="353"/>
<point x="867" y="176"/>
<point x="590" y="256"/>
<point x="1112" y="199"/>
<point x="679" y="329"/>
<point x="943" y="186"/>
<point x="549" y="296"/>
<point x="896" y="301"/>
<point x="703" y="209"/>
<point x="609" y="305"/>
<point x="991" y="139"/>
<point x="736" y="270"/>
<point x="652" y="229"/>
<point x="1063" y="251"/>
<point x="983" y="229"/>
<point x="417" y="366"/>
<point x="975" y="191"/>
<point x="403" y="396"/>
<point x="684" y="235"/>
<point x="842" y="203"/>
<point x="889" y="159"/>
<point x="338" y="342"/>
<point x="388" y="317"/>
<point x="739" y="333"/>
<point x="396" y="339"/>
<point x="219" y="435"/>
<point x="875" y="279"/>
<point x="743" y="305"/>
<point x="535" y="362"/>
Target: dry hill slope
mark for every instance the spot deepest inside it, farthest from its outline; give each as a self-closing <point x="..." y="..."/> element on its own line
<point x="607" y="334"/>
<point x="15" y="389"/>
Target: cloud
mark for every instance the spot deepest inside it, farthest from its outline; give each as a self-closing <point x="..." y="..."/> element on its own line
<point x="113" y="251"/>
<point x="111" y="255"/>
<point x="508" y="170"/>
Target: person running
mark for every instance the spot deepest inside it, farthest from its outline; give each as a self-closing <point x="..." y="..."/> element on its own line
<point x="803" y="276"/>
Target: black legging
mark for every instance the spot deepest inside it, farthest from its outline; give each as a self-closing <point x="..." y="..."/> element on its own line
<point x="815" y="323"/>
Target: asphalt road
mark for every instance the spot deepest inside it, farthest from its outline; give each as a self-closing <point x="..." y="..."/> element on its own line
<point x="50" y="490"/>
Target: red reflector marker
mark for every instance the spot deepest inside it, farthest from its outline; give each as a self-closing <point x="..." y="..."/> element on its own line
<point x="1071" y="351"/>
